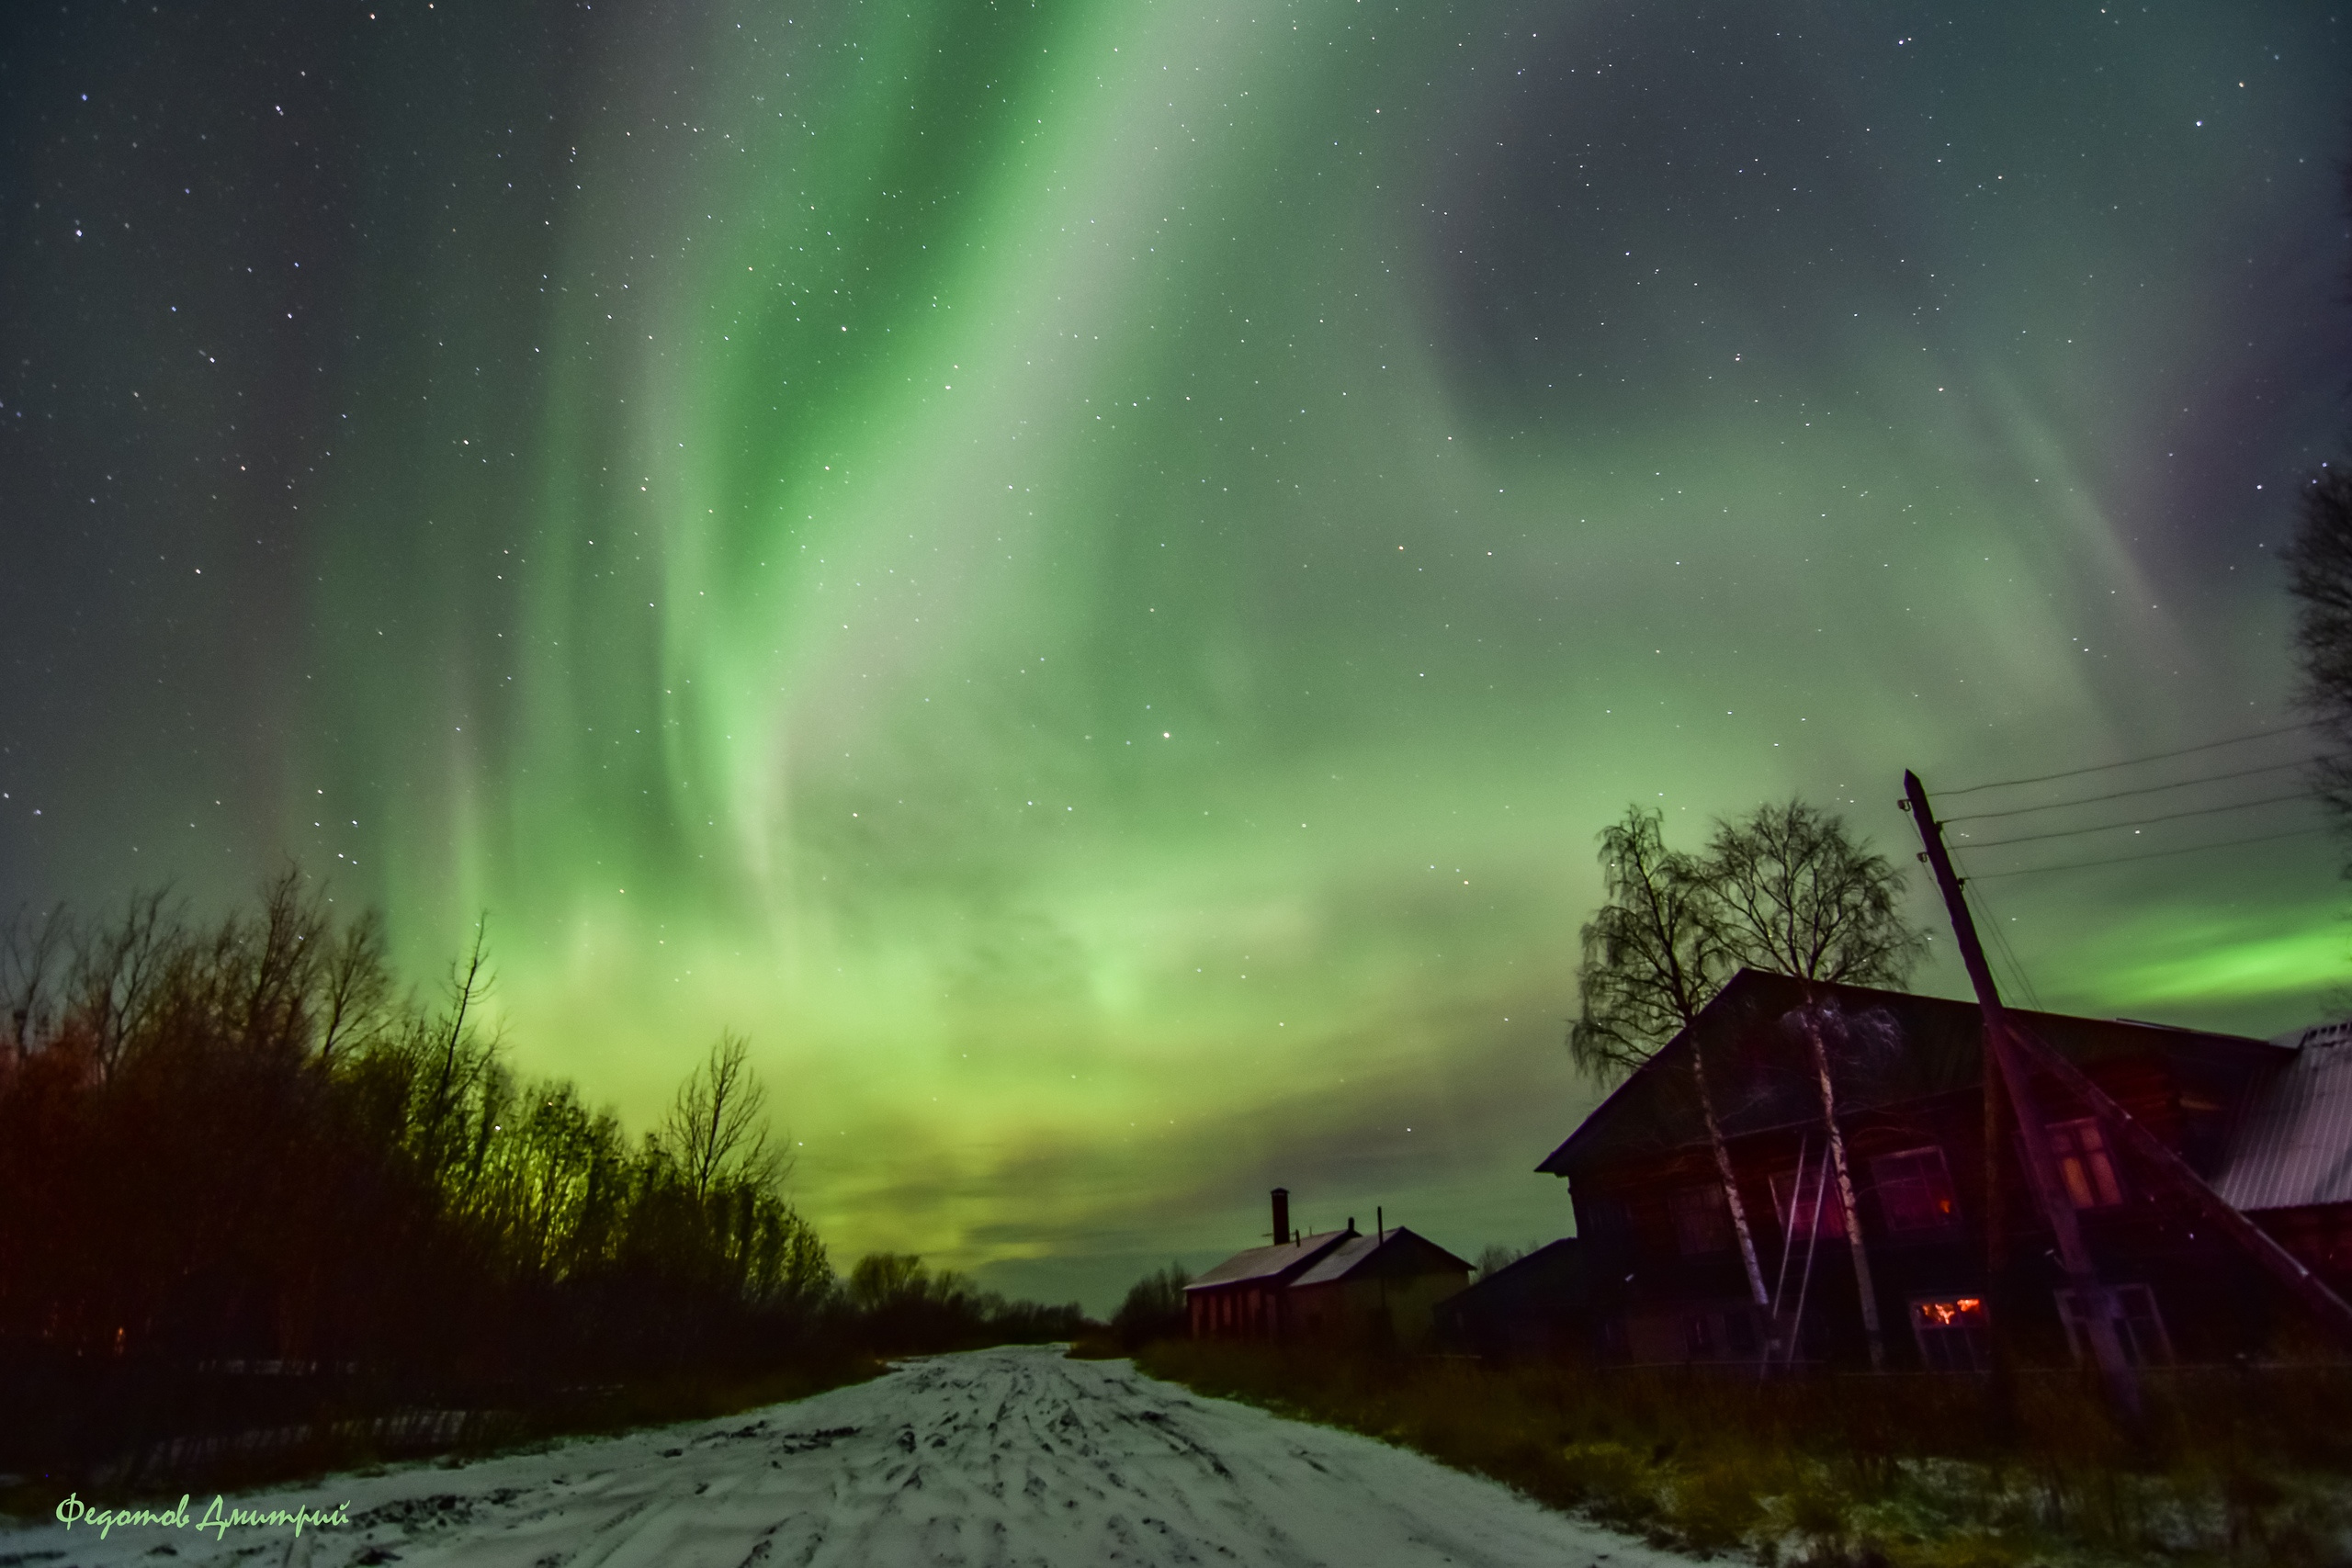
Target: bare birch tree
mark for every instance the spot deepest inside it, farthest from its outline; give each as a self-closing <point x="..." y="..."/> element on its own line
<point x="1793" y="894"/>
<point x="1652" y="959"/>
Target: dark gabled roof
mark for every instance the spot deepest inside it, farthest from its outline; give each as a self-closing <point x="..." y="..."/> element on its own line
<point x="1550" y="1280"/>
<point x="1885" y="1048"/>
<point x="1270" y="1263"/>
<point x="1400" y="1251"/>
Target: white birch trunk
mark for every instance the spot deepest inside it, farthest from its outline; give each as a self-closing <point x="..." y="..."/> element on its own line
<point x="1731" y="1186"/>
<point x="1846" y="1194"/>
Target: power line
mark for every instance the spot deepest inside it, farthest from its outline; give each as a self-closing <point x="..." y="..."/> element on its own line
<point x="2151" y="854"/>
<point x="2127" y="761"/>
<point x="2137" y="821"/>
<point x="2001" y="940"/>
<point x="2143" y="789"/>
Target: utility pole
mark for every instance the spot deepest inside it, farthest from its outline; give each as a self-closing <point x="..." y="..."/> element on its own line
<point x="2002" y="1383"/>
<point x="2095" y="1303"/>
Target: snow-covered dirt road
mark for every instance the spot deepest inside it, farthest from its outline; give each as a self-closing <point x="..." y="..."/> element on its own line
<point x="1012" y="1456"/>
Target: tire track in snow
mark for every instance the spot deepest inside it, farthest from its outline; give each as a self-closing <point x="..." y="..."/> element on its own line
<point x="994" y="1459"/>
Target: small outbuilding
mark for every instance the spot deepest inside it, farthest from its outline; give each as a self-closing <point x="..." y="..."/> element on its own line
<point x="1539" y="1307"/>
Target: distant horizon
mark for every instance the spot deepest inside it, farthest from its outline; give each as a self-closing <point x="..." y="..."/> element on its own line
<point x="1087" y="578"/>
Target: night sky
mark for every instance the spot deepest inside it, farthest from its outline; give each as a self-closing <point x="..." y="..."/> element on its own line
<point x="1087" y="574"/>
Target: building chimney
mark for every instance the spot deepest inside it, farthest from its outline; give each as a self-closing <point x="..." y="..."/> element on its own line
<point x="1282" y="1215"/>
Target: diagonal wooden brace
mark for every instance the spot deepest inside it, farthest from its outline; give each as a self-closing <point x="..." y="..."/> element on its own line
<point x="2284" y="1266"/>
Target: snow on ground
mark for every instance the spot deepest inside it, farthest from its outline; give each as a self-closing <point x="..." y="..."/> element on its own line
<point x="1013" y="1456"/>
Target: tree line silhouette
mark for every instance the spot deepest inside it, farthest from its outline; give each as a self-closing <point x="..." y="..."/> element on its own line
<point x="241" y="1153"/>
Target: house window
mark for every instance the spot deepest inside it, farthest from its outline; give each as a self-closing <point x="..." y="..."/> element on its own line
<point x="2138" y="1326"/>
<point x="1914" y="1190"/>
<point x="1701" y="1219"/>
<point x="2084" y="1166"/>
<point x="1811" y="1210"/>
<point x="1951" y="1333"/>
<point x="1605" y="1222"/>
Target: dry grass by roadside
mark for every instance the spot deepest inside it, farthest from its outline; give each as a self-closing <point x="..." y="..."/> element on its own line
<point x="2229" y="1466"/>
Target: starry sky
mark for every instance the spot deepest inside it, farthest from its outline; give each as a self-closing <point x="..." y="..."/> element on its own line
<point x="1087" y="573"/>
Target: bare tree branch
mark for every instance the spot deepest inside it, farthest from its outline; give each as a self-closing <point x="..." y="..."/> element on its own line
<point x="2319" y="574"/>
<point x="116" y="972"/>
<point x="30" y="953"/>
<point x="716" y="1130"/>
<point x="354" y="987"/>
<point x="1795" y="895"/>
<point x="1651" y="958"/>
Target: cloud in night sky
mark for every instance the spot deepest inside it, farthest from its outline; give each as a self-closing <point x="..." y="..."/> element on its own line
<point x="1088" y="574"/>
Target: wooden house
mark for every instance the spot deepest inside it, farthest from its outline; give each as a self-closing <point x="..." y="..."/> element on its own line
<point x="1248" y="1295"/>
<point x="1949" y="1239"/>
<point x="1379" y="1289"/>
<point x="1335" y="1286"/>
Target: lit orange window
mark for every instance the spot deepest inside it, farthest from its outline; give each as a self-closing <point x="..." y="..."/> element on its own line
<point x="2084" y="1165"/>
<point x="1951" y="1332"/>
<point x="1955" y="1314"/>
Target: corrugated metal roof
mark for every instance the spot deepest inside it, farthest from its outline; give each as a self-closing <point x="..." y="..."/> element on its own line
<point x="2335" y="1033"/>
<point x="1341" y="1261"/>
<point x="2291" y="1145"/>
<point x="1269" y="1263"/>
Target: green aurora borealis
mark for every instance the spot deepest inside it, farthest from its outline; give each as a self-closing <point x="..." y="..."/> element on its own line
<point x="1088" y="574"/>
